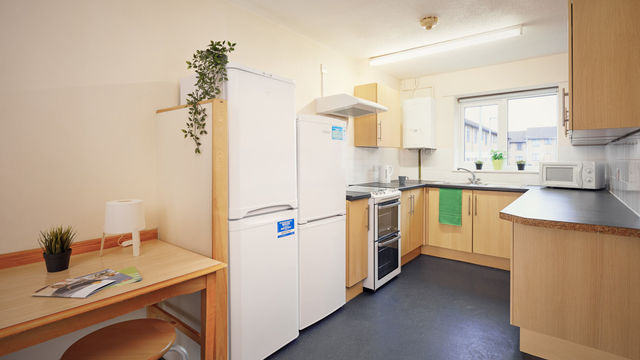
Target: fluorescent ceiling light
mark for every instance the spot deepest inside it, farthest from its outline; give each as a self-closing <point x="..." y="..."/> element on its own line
<point x="447" y="45"/>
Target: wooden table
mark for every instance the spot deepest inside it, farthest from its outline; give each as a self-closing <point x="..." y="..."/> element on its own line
<point x="166" y="270"/>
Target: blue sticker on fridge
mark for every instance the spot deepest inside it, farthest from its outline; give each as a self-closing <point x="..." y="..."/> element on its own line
<point x="337" y="132"/>
<point x="286" y="228"/>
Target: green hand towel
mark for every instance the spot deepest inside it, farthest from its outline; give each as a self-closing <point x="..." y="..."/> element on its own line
<point x="451" y="207"/>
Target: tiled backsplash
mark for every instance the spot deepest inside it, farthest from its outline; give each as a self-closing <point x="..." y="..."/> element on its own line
<point x="623" y="158"/>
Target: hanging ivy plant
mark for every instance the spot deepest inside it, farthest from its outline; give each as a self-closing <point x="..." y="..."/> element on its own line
<point x="210" y="66"/>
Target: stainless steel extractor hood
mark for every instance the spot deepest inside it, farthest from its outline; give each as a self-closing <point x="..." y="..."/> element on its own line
<point x="346" y="105"/>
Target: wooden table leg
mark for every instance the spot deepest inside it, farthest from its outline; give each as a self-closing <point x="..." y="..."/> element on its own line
<point x="213" y="342"/>
<point x="208" y="318"/>
<point x="221" y="332"/>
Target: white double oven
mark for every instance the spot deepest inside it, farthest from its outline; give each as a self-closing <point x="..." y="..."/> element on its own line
<point x="383" y="236"/>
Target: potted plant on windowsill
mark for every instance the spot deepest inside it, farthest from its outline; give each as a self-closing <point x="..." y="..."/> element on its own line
<point x="521" y="164"/>
<point x="56" y="247"/>
<point x="478" y="164"/>
<point x="497" y="158"/>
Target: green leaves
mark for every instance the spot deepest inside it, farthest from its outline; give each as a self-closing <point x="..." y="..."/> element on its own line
<point x="57" y="239"/>
<point x="210" y="66"/>
<point x="496" y="155"/>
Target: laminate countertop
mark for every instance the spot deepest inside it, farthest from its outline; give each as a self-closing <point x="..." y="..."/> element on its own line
<point x="357" y="195"/>
<point x="567" y="209"/>
<point x="414" y="184"/>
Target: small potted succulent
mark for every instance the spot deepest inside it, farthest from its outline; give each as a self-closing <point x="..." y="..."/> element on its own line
<point x="520" y="164"/>
<point x="497" y="158"/>
<point x="478" y="164"/>
<point x="56" y="247"/>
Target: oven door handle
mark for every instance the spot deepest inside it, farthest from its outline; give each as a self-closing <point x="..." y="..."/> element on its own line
<point x="393" y="204"/>
<point x="395" y="239"/>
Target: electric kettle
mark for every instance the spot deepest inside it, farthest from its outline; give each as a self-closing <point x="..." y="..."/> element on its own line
<point x="385" y="173"/>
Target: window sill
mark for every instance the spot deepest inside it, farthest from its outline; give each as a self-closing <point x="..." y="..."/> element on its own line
<point x="505" y="171"/>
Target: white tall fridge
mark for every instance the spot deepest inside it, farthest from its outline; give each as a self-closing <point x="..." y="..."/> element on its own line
<point x="263" y="242"/>
<point x="321" y="216"/>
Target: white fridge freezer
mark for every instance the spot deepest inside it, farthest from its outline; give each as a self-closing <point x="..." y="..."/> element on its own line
<point x="262" y="142"/>
<point x="322" y="268"/>
<point x="322" y="181"/>
<point x="263" y="284"/>
<point x="321" y="216"/>
<point x="263" y="247"/>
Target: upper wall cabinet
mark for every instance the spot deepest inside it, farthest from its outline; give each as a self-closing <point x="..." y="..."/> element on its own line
<point x="383" y="129"/>
<point x="604" y="68"/>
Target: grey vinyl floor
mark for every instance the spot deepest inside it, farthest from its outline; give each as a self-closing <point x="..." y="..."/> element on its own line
<point x="435" y="309"/>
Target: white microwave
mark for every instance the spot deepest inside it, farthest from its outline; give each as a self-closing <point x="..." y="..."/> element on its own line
<point x="574" y="174"/>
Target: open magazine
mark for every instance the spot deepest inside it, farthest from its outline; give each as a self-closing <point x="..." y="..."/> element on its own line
<point x="86" y="285"/>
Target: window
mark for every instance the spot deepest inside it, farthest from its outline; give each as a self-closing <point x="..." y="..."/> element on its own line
<point x="524" y="125"/>
<point x="479" y="120"/>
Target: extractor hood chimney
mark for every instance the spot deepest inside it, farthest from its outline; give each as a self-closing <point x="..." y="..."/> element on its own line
<point x="346" y="105"/>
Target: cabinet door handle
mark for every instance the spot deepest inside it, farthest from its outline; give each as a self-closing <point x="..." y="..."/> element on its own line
<point x="380" y="132"/>
<point x="367" y="217"/>
<point x="565" y="113"/>
<point x="469" y="207"/>
<point x="411" y="209"/>
<point x="475" y="204"/>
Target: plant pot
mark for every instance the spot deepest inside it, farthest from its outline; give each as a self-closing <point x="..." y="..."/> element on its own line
<point x="497" y="164"/>
<point x="520" y="166"/>
<point x="478" y="166"/>
<point x="57" y="262"/>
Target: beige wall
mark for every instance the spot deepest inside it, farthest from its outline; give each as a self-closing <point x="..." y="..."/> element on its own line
<point x="81" y="81"/>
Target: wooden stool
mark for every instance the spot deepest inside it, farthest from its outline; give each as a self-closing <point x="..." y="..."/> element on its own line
<point x="133" y="339"/>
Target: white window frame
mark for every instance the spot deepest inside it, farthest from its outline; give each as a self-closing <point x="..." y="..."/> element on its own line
<point x="502" y="122"/>
<point x="502" y="101"/>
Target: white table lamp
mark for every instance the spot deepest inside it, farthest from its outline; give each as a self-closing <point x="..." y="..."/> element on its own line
<point x="124" y="216"/>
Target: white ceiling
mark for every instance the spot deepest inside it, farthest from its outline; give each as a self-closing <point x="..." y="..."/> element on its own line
<point x="366" y="28"/>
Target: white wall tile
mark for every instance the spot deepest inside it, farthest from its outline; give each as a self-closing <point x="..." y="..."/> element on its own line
<point x="623" y="158"/>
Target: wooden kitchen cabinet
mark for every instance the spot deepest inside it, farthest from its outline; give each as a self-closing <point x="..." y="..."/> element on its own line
<point x="383" y="129"/>
<point x="575" y="294"/>
<point x="492" y="235"/>
<point x="413" y="222"/>
<point x="604" y="64"/>
<point x="450" y="236"/>
<point x="357" y="237"/>
<point x="482" y="231"/>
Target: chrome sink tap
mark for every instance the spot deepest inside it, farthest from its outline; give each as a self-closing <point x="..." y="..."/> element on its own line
<point x="473" y="179"/>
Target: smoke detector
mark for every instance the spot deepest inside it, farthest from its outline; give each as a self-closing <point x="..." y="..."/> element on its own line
<point x="429" y="22"/>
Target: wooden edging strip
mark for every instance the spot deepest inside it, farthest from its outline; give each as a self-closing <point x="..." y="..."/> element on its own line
<point x="472" y="258"/>
<point x="560" y="225"/>
<point x="156" y="312"/>
<point x="35" y="255"/>
<point x="411" y="255"/>
<point x="178" y="107"/>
